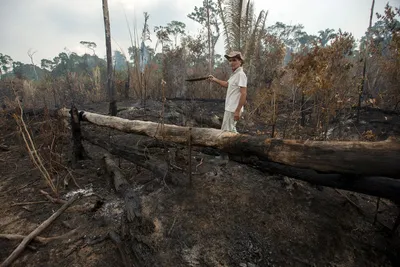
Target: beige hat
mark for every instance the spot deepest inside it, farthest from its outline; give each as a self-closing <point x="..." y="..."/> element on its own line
<point x="236" y="54"/>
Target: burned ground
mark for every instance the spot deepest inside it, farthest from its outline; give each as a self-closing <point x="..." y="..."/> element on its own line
<point x="229" y="215"/>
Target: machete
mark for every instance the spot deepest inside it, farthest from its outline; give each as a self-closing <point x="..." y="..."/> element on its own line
<point x="197" y="79"/>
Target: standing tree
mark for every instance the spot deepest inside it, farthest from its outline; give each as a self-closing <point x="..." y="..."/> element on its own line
<point x="89" y="45"/>
<point x="208" y="17"/>
<point x="176" y="28"/>
<point x="110" y="76"/>
<point x="5" y="63"/>
<point x="325" y="36"/>
<point x="162" y="34"/>
<point x="361" y="92"/>
<point x="30" y="54"/>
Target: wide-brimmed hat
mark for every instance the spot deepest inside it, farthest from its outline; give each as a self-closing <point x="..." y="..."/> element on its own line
<point x="235" y="54"/>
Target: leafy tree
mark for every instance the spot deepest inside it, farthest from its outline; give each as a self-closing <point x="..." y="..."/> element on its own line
<point x="208" y="16"/>
<point x="238" y="19"/>
<point x="18" y="69"/>
<point x="176" y="28"/>
<point x="292" y="36"/>
<point x="120" y="61"/>
<point x="324" y="75"/>
<point x="5" y="63"/>
<point x="47" y="64"/>
<point x="326" y="35"/>
<point x="132" y="51"/>
<point x="90" y="45"/>
<point x="162" y="34"/>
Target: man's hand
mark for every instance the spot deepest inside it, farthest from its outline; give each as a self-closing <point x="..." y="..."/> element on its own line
<point x="221" y="83"/>
<point x="236" y="116"/>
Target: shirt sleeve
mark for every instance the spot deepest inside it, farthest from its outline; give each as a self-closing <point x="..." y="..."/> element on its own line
<point x="242" y="80"/>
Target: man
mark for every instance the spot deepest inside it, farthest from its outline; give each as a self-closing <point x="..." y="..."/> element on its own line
<point x="236" y="93"/>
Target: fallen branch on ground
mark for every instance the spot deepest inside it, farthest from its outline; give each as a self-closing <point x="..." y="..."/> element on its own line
<point x="359" y="209"/>
<point x="14" y="255"/>
<point x="54" y="200"/>
<point x="42" y="240"/>
<point x="123" y="188"/>
<point x="28" y="203"/>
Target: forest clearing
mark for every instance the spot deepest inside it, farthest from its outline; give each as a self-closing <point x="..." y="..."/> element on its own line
<point x="121" y="161"/>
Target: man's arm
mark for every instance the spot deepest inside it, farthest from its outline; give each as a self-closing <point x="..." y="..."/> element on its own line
<point x="220" y="82"/>
<point x="242" y="101"/>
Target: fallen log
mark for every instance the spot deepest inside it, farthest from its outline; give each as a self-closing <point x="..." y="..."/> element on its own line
<point x="132" y="154"/>
<point x="345" y="157"/>
<point x="375" y="186"/>
<point x="124" y="189"/>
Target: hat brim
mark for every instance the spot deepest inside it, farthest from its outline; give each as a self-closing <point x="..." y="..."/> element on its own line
<point x="235" y="56"/>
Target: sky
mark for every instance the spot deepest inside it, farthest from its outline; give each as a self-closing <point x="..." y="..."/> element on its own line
<point x="48" y="27"/>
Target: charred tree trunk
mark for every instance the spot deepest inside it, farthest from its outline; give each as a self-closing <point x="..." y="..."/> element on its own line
<point x="302" y="111"/>
<point x="135" y="155"/>
<point x="345" y="157"/>
<point x="110" y="76"/>
<point x="78" y="151"/>
<point x="374" y="186"/>
<point x="361" y="93"/>
<point x="123" y="188"/>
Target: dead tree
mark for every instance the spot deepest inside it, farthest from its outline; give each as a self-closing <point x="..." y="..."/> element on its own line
<point x="344" y="157"/>
<point x="110" y="75"/>
<point x="78" y="151"/>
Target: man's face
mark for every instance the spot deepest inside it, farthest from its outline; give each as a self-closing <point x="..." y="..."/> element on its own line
<point x="234" y="62"/>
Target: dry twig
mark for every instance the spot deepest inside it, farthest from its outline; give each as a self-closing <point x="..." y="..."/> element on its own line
<point x="28" y="203"/>
<point x="36" y="232"/>
<point x="54" y="200"/>
<point x="30" y="145"/>
<point x="42" y="240"/>
<point x="350" y="201"/>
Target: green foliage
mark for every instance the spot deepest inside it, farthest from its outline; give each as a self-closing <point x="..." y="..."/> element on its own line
<point x="5" y="63"/>
<point x="90" y="45"/>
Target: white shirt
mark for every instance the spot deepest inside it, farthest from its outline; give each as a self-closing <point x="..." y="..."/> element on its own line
<point x="238" y="79"/>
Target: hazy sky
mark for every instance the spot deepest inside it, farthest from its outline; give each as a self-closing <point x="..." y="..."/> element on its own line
<point x="50" y="26"/>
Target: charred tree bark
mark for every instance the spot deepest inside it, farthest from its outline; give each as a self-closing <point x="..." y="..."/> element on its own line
<point x="124" y="189"/>
<point x="362" y="85"/>
<point x="137" y="156"/>
<point x="110" y="76"/>
<point x="374" y="186"/>
<point x="345" y="157"/>
<point x="302" y="111"/>
<point x="78" y="151"/>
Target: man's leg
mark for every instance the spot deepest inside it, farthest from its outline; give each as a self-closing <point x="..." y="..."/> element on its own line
<point x="229" y="123"/>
